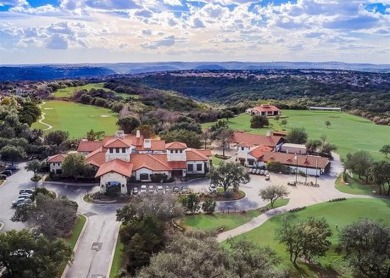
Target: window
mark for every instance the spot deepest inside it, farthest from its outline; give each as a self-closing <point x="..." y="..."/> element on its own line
<point x="199" y="167"/>
<point x="176" y="151"/>
<point x="181" y="151"/>
<point x="123" y="150"/>
<point x="250" y="162"/>
<point x="190" y="167"/>
<point x="143" y="177"/>
<point x="117" y="150"/>
<point x="242" y="148"/>
<point x="111" y="150"/>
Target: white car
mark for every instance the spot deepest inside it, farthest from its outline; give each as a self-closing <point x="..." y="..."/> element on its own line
<point x="143" y="188"/>
<point x="212" y="188"/>
<point x="21" y="202"/>
<point x="160" y="189"/>
<point x="151" y="189"/>
<point x="135" y="190"/>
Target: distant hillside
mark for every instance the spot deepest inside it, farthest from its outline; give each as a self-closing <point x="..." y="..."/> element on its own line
<point x="50" y="72"/>
<point x="41" y="73"/>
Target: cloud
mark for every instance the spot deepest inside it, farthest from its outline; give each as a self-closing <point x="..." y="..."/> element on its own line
<point x="165" y="42"/>
<point x="57" y="42"/>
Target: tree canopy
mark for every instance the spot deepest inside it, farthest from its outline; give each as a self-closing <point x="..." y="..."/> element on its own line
<point x="360" y="163"/>
<point x="297" y="135"/>
<point x="307" y="238"/>
<point x="229" y="174"/>
<point x="274" y="192"/>
<point x="367" y="246"/>
<point x="24" y="255"/>
<point x="259" y="121"/>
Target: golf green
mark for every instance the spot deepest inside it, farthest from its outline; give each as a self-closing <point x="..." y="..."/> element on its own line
<point x="77" y="118"/>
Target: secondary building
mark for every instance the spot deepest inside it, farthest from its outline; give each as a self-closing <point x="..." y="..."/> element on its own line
<point x="264" y="110"/>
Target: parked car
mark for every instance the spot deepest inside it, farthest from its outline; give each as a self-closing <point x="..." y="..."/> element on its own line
<point x="267" y="177"/>
<point x="262" y="172"/>
<point x="160" y="189"/>
<point x="176" y="189"/>
<point x="185" y="189"/>
<point x="143" y="188"/>
<point x="29" y="191"/>
<point x="135" y="190"/>
<point x="257" y="171"/>
<point x="293" y="183"/>
<point x="28" y="195"/>
<point x="12" y="167"/>
<point x="151" y="189"/>
<point x="7" y="173"/>
<point x="3" y="177"/>
<point x="266" y="172"/>
<point x="168" y="189"/>
<point x="20" y="202"/>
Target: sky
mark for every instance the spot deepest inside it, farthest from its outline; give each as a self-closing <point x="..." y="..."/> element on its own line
<point x="113" y="31"/>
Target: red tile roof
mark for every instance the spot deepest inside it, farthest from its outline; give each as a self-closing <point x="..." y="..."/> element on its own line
<point x="156" y="145"/>
<point x="118" y="143"/>
<point x="154" y="162"/>
<point x="176" y="146"/>
<point x="206" y="152"/>
<point x="248" y="139"/>
<point x="309" y="161"/>
<point x="196" y="155"/>
<point x="97" y="158"/>
<point x="266" y="108"/>
<point x="56" y="158"/>
<point x="89" y="146"/>
<point x="118" y="166"/>
<point x="259" y="151"/>
<point x="177" y="164"/>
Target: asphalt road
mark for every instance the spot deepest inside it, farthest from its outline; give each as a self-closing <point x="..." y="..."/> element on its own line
<point x="9" y="191"/>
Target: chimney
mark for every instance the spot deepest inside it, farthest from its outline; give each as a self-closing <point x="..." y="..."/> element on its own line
<point x="138" y="134"/>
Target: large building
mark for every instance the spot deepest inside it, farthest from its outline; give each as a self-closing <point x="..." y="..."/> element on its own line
<point x="124" y="157"/>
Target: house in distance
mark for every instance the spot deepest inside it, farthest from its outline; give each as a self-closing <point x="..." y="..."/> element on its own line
<point x="264" y="110"/>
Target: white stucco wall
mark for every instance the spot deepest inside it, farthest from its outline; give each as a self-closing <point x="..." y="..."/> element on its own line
<point x="172" y="156"/>
<point x="310" y="171"/>
<point x="113" y="177"/>
<point x="122" y="156"/>
<point x="150" y="172"/>
<point x="242" y="152"/>
<point x="54" y="166"/>
<point x="195" y="171"/>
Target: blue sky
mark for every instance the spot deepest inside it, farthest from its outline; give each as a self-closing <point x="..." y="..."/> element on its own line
<point x="108" y="31"/>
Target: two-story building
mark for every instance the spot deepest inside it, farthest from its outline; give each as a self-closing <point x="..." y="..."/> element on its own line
<point x="125" y="157"/>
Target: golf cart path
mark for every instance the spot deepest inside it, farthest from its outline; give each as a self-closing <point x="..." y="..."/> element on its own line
<point x="43" y="118"/>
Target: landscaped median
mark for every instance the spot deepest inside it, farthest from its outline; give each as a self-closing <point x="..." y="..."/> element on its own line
<point x="224" y="221"/>
<point x="73" y="238"/>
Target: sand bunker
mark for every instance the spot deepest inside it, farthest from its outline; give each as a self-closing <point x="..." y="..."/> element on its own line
<point x="105" y="116"/>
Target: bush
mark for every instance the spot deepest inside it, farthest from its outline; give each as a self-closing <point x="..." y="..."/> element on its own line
<point x="337" y="200"/>
<point x="297" y="209"/>
<point x="209" y="206"/>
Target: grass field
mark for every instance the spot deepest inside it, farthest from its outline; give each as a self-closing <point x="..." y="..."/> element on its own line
<point x="117" y="262"/>
<point x="68" y="92"/>
<point x="77" y="118"/>
<point x="338" y="215"/>
<point x="349" y="133"/>
<point x="226" y="220"/>
<point x="356" y="186"/>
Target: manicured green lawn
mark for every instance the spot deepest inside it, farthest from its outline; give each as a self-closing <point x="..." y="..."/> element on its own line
<point x="117" y="260"/>
<point x="349" y="133"/>
<point x="227" y="220"/>
<point x="338" y="214"/>
<point x="77" y="118"/>
<point x="68" y="92"/>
